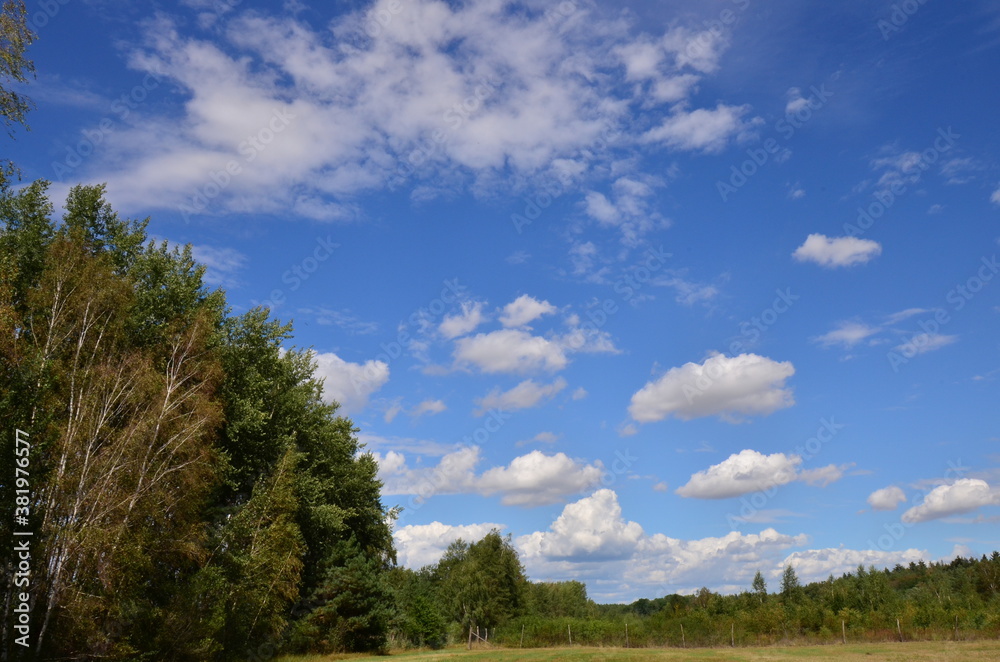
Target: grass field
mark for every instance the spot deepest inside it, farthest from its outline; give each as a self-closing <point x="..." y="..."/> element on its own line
<point x="895" y="652"/>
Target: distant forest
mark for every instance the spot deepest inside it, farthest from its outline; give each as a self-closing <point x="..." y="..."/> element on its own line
<point x="192" y="497"/>
<point x="478" y="592"/>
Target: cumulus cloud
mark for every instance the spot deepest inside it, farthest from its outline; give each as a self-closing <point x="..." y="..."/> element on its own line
<point x="510" y="351"/>
<point x="743" y="385"/>
<point x="418" y="545"/>
<point x="525" y="395"/>
<point x="750" y="471"/>
<point x="535" y="479"/>
<point x="524" y="310"/>
<point x="464" y="322"/>
<point x="593" y="541"/>
<point x="995" y="198"/>
<point x="730" y="560"/>
<point x="837" y="251"/>
<point x="962" y="496"/>
<point x="517" y="351"/>
<point x="590" y="528"/>
<point x="813" y="565"/>
<point x="350" y="384"/>
<point x="887" y="498"/>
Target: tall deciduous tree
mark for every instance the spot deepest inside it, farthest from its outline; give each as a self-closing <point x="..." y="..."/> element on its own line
<point x="482" y="584"/>
<point x="15" y="67"/>
<point x="190" y="483"/>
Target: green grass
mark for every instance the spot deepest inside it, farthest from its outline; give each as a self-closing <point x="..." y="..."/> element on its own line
<point x="937" y="651"/>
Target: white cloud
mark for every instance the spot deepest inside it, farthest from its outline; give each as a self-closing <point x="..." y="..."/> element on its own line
<point x="730" y="560"/>
<point x="742" y="473"/>
<point x="906" y="314"/>
<point x="823" y="476"/>
<point x="700" y="129"/>
<point x="847" y="334"/>
<point x="701" y="51"/>
<point x="525" y="395"/>
<point x="418" y="545"/>
<point x="535" y="479"/>
<point x="796" y="101"/>
<point x="750" y="471"/>
<point x="837" y="251"/>
<point x="523" y="310"/>
<point x="814" y="565"/>
<point x="962" y="496"/>
<point x="687" y="293"/>
<point x="591" y="528"/>
<point x="593" y="541"/>
<point x="222" y="264"/>
<point x="510" y="351"/>
<point x="580" y="393"/>
<point x="631" y="211"/>
<point x="350" y="384"/>
<point x="516" y="351"/>
<point x="747" y="384"/>
<point x="887" y="498"/>
<point x="600" y="208"/>
<point x="464" y="322"/>
<point x="995" y="198"/>
<point x="922" y="343"/>
<point x="429" y="407"/>
<point x="357" y="113"/>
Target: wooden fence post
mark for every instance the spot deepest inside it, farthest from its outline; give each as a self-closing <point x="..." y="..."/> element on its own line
<point x="470" y="637"/>
<point x="683" y="643"/>
<point x="569" y="629"/>
<point x="732" y="634"/>
<point x="522" y="636"/>
<point x="899" y="630"/>
<point x="843" y="632"/>
<point x="626" y="635"/>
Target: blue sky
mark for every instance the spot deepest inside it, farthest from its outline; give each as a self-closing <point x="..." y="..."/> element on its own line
<point x="669" y="291"/>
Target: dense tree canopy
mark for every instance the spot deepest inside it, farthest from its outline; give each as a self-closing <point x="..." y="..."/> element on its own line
<point x="194" y="497"/>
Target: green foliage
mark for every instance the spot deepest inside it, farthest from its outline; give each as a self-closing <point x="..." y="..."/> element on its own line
<point x="15" y="67"/>
<point x="352" y="605"/>
<point x="15" y="37"/>
<point x="418" y="620"/>
<point x="482" y="584"/>
<point x="191" y="483"/>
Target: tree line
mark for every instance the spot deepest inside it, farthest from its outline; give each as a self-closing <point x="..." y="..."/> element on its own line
<point x="479" y="592"/>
